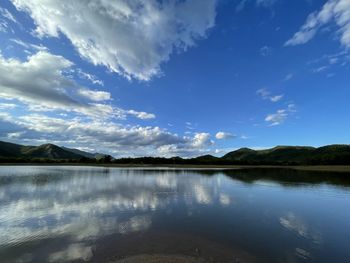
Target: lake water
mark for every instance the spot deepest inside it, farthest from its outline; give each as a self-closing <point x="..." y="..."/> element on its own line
<point x="78" y="214"/>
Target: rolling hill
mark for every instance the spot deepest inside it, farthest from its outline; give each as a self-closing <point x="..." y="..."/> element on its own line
<point x="45" y="151"/>
<point x="331" y="154"/>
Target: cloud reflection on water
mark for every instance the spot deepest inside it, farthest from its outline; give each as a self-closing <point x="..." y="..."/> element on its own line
<point x="87" y="203"/>
<point x="296" y="224"/>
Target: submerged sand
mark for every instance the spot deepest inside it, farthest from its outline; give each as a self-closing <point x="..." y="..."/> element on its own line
<point x="160" y="259"/>
<point x="159" y="247"/>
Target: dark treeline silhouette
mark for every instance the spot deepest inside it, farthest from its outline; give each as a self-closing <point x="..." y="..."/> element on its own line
<point x="174" y="161"/>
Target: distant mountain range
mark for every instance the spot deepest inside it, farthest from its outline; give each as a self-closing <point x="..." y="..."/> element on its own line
<point x="280" y="155"/>
<point x="45" y="151"/>
<point x="331" y="154"/>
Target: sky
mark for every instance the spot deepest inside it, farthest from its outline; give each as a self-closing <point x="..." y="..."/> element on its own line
<point x="174" y="77"/>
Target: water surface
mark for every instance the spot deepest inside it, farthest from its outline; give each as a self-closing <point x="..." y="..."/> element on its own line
<point x="78" y="214"/>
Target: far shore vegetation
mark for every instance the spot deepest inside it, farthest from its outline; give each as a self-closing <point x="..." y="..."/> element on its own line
<point x="326" y="158"/>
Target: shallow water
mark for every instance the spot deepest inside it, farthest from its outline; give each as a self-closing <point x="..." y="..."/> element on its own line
<point x="77" y="214"/>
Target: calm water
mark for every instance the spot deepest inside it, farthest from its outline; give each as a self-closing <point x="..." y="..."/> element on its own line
<point x="76" y="214"/>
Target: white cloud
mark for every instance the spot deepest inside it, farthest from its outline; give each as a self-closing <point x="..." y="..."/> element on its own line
<point x="7" y="106"/>
<point x="29" y="45"/>
<point x="202" y="140"/>
<point x="130" y="37"/>
<point x="277" y="118"/>
<point x="141" y="115"/>
<point x="320" y="69"/>
<point x="265" y="94"/>
<point x="95" y="95"/>
<point x="266" y="3"/>
<point x="328" y="61"/>
<point x="39" y="80"/>
<point x="224" y="135"/>
<point x="5" y="19"/>
<point x="107" y="136"/>
<point x="42" y="85"/>
<point x="92" y="78"/>
<point x="276" y="98"/>
<point x="191" y="146"/>
<point x="288" y="77"/>
<point x="265" y="51"/>
<point x="337" y="11"/>
<point x="280" y="116"/>
<point x="259" y="3"/>
<point x="241" y="5"/>
<point x="6" y="14"/>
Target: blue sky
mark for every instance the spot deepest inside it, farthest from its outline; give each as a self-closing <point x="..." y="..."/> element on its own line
<point x="167" y="78"/>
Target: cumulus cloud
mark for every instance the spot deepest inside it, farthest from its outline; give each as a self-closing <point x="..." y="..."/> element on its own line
<point x="38" y="80"/>
<point x="201" y="140"/>
<point x="195" y="145"/>
<point x="107" y="132"/>
<point x="42" y="85"/>
<point x="224" y="135"/>
<point x="280" y="116"/>
<point x="107" y="136"/>
<point x="130" y="37"/>
<point x="337" y="11"/>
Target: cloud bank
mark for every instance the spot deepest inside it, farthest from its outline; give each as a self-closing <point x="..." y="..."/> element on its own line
<point x="42" y="84"/>
<point x="129" y="37"/>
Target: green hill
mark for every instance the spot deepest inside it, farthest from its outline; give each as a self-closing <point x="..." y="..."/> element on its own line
<point x="332" y="154"/>
<point x="45" y="151"/>
<point x="85" y="154"/>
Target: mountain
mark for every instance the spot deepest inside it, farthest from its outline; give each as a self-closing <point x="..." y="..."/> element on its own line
<point x="331" y="154"/>
<point x="85" y="154"/>
<point x="206" y="158"/>
<point x="45" y="151"/>
<point x="241" y="154"/>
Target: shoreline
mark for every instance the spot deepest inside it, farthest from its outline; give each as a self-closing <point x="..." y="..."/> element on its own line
<point x="320" y="168"/>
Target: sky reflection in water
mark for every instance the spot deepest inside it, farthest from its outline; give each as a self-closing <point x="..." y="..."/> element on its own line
<point x="59" y="214"/>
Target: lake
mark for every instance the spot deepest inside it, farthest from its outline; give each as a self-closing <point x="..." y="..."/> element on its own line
<point x="94" y="214"/>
